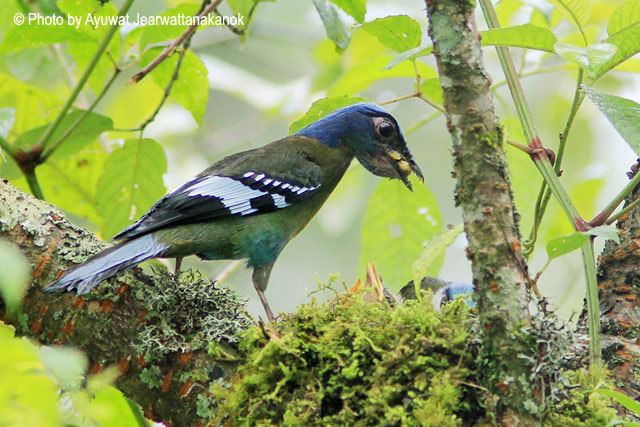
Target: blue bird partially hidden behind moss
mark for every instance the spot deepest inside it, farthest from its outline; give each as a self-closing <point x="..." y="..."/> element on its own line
<point x="250" y="204"/>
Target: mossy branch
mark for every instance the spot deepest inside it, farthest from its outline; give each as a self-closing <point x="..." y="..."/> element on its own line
<point x="484" y="193"/>
<point x="154" y="327"/>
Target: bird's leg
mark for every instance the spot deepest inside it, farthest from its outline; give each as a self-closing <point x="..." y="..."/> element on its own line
<point x="178" y="265"/>
<point x="260" y="281"/>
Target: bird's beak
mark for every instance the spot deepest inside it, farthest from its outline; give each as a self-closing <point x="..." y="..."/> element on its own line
<point x="404" y="165"/>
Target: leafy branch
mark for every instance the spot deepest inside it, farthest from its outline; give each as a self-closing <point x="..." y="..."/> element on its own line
<point x="170" y="49"/>
<point x="40" y="151"/>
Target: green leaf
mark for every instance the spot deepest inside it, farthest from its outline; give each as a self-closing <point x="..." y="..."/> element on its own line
<point x="624" y="17"/>
<point x="392" y="237"/>
<point x="34" y="106"/>
<point x="577" y="11"/>
<point x="624" y="115"/>
<point x="14" y="275"/>
<point x="88" y="130"/>
<point x="526" y="36"/>
<point x="70" y="183"/>
<point x="432" y="256"/>
<point x="334" y="26"/>
<point x="321" y="108"/>
<point x="627" y="43"/>
<point x="6" y="332"/>
<point x="409" y="55"/>
<point x="399" y="33"/>
<point x="565" y="244"/>
<point x="162" y="33"/>
<point x="364" y="74"/>
<point x="432" y="89"/>
<point x="111" y="408"/>
<point x="66" y="365"/>
<point x="83" y="53"/>
<point x="622" y="399"/>
<point x="20" y="37"/>
<point x="355" y="8"/>
<point x="191" y="90"/>
<point x="28" y="396"/>
<point x="608" y="232"/>
<point x="130" y="183"/>
<point x="7" y="119"/>
<point x="591" y="58"/>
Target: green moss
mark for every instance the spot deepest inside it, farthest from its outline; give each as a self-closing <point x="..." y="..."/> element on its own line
<point x="582" y="407"/>
<point x="350" y="362"/>
<point x="354" y="362"/>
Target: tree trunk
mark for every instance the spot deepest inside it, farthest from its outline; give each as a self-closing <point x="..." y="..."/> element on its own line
<point x="154" y="327"/>
<point x="483" y="191"/>
<point x="619" y="286"/>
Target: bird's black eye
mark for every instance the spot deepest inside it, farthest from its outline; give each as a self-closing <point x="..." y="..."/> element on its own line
<point x="386" y="129"/>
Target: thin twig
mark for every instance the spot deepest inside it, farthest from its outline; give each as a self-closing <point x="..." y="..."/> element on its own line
<point x="235" y="30"/>
<point x="603" y="216"/>
<point x="227" y="270"/>
<point x="623" y="212"/>
<point x="34" y="185"/>
<point x="422" y="122"/>
<point x="180" y="40"/>
<point x="44" y="139"/>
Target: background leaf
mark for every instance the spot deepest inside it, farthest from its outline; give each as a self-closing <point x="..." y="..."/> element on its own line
<point x="88" y="130"/>
<point x="14" y="275"/>
<point x="577" y="11"/>
<point x="624" y="17"/>
<point x="399" y="32"/>
<point x="432" y="256"/>
<point x="130" y="183"/>
<point x="28" y="397"/>
<point x="591" y="58"/>
<point x="396" y="223"/>
<point x="191" y="90"/>
<point x="608" y="232"/>
<point x="525" y="36"/>
<point x="7" y="119"/>
<point x="624" y="115"/>
<point x="355" y="8"/>
<point x="111" y="408"/>
<point x="334" y="26"/>
<point x="410" y="54"/>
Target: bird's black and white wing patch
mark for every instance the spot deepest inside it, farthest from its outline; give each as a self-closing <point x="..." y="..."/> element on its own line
<point x="214" y="196"/>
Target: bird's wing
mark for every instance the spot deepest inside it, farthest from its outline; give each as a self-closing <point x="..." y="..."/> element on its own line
<point x="223" y="193"/>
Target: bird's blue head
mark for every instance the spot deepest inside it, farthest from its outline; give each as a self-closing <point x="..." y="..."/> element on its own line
<point x="373" y="135"/>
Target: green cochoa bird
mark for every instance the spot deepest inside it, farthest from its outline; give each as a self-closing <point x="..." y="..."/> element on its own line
<point x="250" y="204"/>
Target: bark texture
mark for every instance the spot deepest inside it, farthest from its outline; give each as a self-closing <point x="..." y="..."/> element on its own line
<point x="165" y="334"/>
<point x="619" y="289"/>
<point x="483" y="191"/>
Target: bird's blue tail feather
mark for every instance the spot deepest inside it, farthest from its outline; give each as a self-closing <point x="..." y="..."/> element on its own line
<point x="108" y="263"/>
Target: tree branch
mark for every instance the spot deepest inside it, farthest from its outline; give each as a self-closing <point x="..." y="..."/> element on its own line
<point x="619" y="291"/>
<point x="155" y="328"/>
<point x="483" y="191"/>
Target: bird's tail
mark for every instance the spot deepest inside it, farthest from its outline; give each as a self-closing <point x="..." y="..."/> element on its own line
<point x="107" y="263"/>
